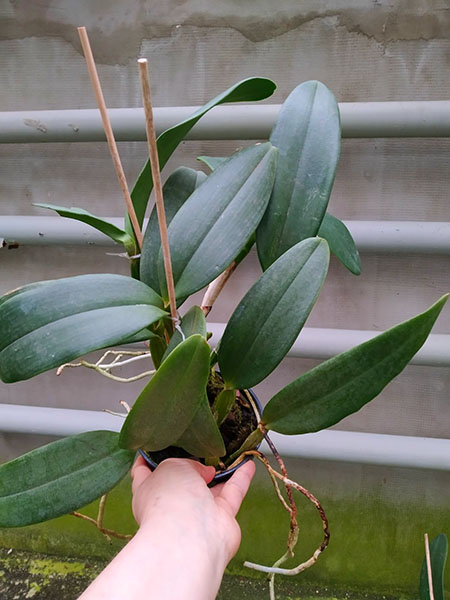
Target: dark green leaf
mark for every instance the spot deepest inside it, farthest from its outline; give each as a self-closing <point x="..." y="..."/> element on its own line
<point x="202" y="438"/>
<point x="438" y="558"/>
<point x="217" y="220"/>
<point x="342" y="385"/>
<point x="247" y="90"/>
<point x="269" y="318"/>
<point x="193" y="322"/>
<point x="212" y="161"/>
<point x="79" y="214"/>
<point x="177" y="189"/>
<point x="53" y="322"/>
<point x="168" y="403"/>
<point x="341" y="242"/>
<point x="61" y="477"/>
<point x="308" y="135"/>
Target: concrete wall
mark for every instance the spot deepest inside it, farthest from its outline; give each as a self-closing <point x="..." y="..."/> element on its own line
<point x="363" y="51"/>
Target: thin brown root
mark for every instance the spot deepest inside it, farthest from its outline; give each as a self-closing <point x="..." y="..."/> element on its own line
<point x="99" y="522"/>
<point x="288" y="482"/>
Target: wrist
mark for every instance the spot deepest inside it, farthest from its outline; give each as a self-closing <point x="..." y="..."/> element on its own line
<point x="178" y="553"/>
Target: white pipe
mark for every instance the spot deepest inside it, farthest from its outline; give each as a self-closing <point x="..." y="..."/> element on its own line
<point x="359" y="120"/>
<point x="322" y="343"/>
<point x="349" y="446"/>
<point x="367" y="448"/>
<point x="370" y="236"/>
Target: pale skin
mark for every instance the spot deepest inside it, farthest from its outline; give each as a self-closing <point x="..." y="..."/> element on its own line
<point x="187" y="534"/>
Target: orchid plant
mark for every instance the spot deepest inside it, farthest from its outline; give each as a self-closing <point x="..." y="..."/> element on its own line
<point x="272" y="195"/>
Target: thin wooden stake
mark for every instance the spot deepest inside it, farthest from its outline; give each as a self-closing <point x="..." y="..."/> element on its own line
<point x="429" y="573"/>
<point x="108" y="131"/>
<point x="154" y="163"/>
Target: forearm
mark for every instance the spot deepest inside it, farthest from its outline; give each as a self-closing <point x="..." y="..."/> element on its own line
<point x="161" y="562"/>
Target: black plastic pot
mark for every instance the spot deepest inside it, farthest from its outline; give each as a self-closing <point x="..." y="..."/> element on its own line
<point x="223" y="475"/>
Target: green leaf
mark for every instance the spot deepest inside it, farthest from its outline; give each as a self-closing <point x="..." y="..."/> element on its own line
<point x="60" y="477"/>
<point x="177" y="189"/>
<point x="214" y="224"/>
<point x="192" y="323"/>
<point x="48" y="324"/>
<point x="202" y="438"/>
<point x="342" y="385"/>
<point x="308" y="136"/>
<point x="269" y="318"/>
<point x="438" y="558"/>
<point x="212" y="161"/>
<point x="341" y="242"/>
<point x="79" y="214"/>
<point x="224" y="403"/>
<point x="247" y="90"/>
<point x="168" y="403"/>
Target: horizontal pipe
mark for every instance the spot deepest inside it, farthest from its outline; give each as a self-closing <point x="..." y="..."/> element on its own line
<point x="370" y="236"/>
<point x="240" y="122"/>
<point x="349" y="446"/>
<point x="322" y="343"/>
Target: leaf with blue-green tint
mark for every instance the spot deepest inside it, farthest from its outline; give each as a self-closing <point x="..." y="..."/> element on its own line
<point x="438" y="558"/>
<point x="60" y="477"/>
<point x="202" y="438"/>
<point x="342" y="385"/>
<point x="169" y="402"/>
<point x="308" y="136"/>
<point x="247" y="90"/>
<point x="212" y="162"/>
<point x="341" y="243"/>
<point x="47" y="324"/>
<point x="192" y="322"/>
<point x="217" y="220"/>
<point x="270" y="316"/>
<point x="177" y="189"/>
<point x="112" y="231"/>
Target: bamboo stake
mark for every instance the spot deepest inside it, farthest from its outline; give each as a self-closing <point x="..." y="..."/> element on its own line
<point x="95" y="81"/>
<point x="429" y="573"/>
<point x="154" y="163"/>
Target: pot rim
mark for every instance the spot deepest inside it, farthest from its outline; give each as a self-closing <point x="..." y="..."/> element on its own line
<point x="221" y="476"/>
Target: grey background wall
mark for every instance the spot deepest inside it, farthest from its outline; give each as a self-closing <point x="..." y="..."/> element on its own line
<point x="364" y="51"/>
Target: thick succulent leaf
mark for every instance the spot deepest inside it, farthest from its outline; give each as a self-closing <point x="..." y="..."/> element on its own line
<point x="60" y="477"/>
<point x="247" y="90"/>
<point x="224" y="403"/>
<point x="342" y="385"/>
<point x="341" y="243"/>
<point x="168" y="403"/>
<point x="438" y="558"/>
<point x="202" y="438"/>
<point x="308" y="135"/>
<point x="214" y="224"/>
<point x="79" y="214"/>
<point x="44" y="325"/>
<point x="269" y="318"/>
<point x="212" y="161"/>
<point x="192" y="323"/>
<point x="177" y="189"/>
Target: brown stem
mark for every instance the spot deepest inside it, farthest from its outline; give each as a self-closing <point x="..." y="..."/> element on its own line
<point x="95" y="81"/>
<point x="156" y="175"/>
<point x="215" y="287"/>
<point x="429" y="572"/>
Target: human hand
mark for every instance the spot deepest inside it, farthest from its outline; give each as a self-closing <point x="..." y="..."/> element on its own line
<point x="175" y="498"/>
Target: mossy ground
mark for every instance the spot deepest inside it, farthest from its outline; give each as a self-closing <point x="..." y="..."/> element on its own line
<point x="376" y="546"/>
<point x="25" y="575"/>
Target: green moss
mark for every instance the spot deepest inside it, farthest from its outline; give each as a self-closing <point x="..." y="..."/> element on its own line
<point x="377" y="520"/>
